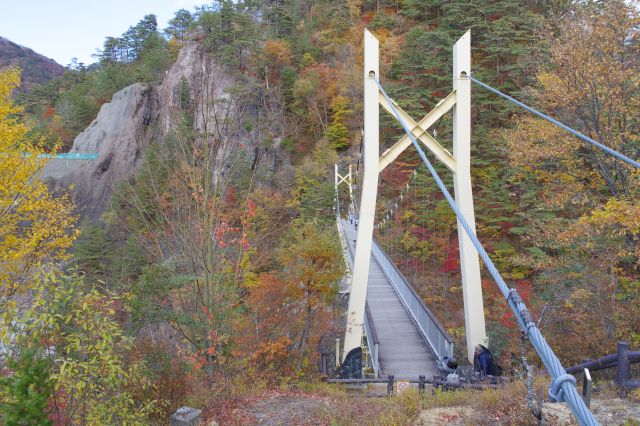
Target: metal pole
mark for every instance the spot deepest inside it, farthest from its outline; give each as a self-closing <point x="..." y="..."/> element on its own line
<point x="358" y="295"/>
<point x="587" y="385"/>
<point x="469" y="263"/>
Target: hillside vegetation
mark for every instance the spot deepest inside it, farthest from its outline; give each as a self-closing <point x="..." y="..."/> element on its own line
<point x="36" y="68"/>
<point x="213" y="274"/>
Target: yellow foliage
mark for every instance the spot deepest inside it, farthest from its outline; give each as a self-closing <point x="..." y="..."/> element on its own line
<point x="278" y="52"/>
<point x="35" y="226"/>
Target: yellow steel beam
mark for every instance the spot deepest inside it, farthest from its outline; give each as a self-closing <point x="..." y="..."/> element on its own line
<point x="419" y="130"/>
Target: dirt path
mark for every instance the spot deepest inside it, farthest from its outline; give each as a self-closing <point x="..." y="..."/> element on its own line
<point x="284" y="408"/>
<point x="609" y="412"/>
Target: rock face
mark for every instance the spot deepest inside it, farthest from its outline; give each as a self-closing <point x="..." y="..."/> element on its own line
<point x="125" y="126"/>
<point x="118" y="135"/>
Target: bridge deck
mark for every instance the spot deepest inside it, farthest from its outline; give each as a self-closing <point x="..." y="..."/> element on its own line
<point x="402" y="350"/>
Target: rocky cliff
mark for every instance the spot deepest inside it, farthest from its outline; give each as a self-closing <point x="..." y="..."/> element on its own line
<point x="137" y="114"/>
<point x="119" y="135"/>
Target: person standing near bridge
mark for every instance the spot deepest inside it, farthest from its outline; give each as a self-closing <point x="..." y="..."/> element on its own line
<point x="484" y="363"/>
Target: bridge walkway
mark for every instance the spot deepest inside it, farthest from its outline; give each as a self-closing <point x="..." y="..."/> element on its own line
<point x="402" y="349"/>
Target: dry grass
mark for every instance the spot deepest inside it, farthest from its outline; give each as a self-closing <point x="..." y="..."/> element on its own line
<point x="320" y="403"/>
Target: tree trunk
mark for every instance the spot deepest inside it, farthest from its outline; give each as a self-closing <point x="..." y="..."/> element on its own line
<point x="305" y="336"/>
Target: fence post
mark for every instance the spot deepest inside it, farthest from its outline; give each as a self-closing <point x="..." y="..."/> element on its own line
<point x="375" y="358"/>
<point x="390" y="384"/>
<point x="323" y="363"/>
<point x="421" y="381"/>
<point x="623" y="373"/>
<point x="587" y="384"/>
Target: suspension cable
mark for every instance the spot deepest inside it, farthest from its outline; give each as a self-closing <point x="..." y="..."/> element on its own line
<point x="562" y="387"/>
<point x="559" y="124"/>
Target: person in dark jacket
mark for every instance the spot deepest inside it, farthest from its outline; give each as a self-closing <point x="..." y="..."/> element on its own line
<point x="483" y="362"/>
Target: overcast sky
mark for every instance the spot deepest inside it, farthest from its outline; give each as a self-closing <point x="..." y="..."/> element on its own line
<point x="65" y="29"/>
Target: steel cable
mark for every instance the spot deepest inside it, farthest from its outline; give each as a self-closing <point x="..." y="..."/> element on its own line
<point x="559" y="124"/>
<point x="562" y="387"/>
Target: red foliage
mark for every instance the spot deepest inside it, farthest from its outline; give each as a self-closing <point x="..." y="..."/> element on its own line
<point x="57" y="406"/>
<point x="506" y="226"/>
<point x="526" y="290"/>
<point x="231" y="196"/>
<point x="452" y="262"/>
<point x="49" y="112"/>
<point x="420" y="232"/>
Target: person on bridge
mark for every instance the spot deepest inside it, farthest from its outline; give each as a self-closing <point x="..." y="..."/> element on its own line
<point x="484" y="363"/>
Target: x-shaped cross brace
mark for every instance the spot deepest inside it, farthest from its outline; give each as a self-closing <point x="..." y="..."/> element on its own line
<point x="419" y="130"/>
<point x="343" y="179"/>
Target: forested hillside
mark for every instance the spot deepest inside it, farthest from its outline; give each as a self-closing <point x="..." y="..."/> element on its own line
<point x="212" y="272"/>
<point x="36" y="68"/>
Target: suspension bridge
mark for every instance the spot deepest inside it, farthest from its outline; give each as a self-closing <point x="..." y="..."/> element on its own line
<point x="403" y="337"/>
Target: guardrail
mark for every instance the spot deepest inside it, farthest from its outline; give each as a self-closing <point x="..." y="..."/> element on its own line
<point x="70" y="156"/>
<point x="621" y="360"/>
<point x="436" y="336"/>
<point x="346" y="247"/>
<point x="372" y="340"/>
<point x="422" y="381"/>
<point x="64" y="156"/>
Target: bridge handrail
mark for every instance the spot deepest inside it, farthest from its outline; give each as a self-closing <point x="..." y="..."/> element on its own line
<point x="440" y="342"/>
<point x="345" y="242"/>
<point x="373" y="342"/>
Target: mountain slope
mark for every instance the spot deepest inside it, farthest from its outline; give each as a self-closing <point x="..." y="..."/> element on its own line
<point x="36" y="68"/>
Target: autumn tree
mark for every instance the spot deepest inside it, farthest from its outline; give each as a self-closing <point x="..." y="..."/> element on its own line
<point x="584" y="203"/>
<point x="266" y="330"/>
<point x="338" y="132"/>
<point x="312" y="262"/>
<point x="274" y="58"/>
<point x="312" y="94"/>
<point x="78" y="354"/>
<point x="179" y="24"/>
<point x="35" y="225"/>
<point x="313" y="190"/>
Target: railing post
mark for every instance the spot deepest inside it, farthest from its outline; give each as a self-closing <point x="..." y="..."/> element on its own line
<point x="623" y="373"/>
<point x="390" y="384"/>
<point x="375" y="358"/>
<point x="587" y="385"/>
<point x="421" y="381"/>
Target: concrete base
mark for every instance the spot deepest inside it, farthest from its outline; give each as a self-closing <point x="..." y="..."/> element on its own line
<point x="186" y="416"/>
